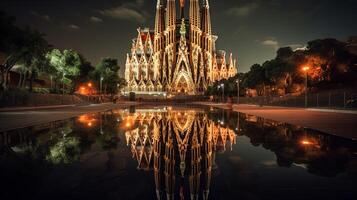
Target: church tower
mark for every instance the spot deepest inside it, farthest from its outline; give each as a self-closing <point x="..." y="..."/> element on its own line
<point x="195" y="22"/>
<point x="170" y="35"/>
<point x="179" y="56"/>
<point x="159" y="40"/>
<point x="207" y="42"/>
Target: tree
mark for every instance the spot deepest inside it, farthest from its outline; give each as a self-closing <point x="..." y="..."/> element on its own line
<point x="65" y="65"/>
<point x="284" y="53"/>
<point x="334" y="60"/>
<point x="107" y="70"/>
<point x="34" y="59"/>
<point x="19" y="46"/>
<point x="85" y="70"/>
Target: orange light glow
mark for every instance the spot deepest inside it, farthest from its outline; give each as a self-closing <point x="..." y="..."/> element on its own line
<point x="310" y="142"/>
<point x="83" y="90"/>
<point x="306" y="68"/>
<point x="86" y="89"/>
<point x="88" y="120"/>
<point x="306" y="142"/>
<point x="127" y="124"/>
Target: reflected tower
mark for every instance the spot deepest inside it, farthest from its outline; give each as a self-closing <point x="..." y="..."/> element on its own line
<point x="183" y="146"/>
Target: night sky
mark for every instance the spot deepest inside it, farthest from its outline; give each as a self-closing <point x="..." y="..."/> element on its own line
<point x="251" y="29"/>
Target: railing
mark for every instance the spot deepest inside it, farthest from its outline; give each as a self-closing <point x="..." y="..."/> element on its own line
<point x="333" y="99"/>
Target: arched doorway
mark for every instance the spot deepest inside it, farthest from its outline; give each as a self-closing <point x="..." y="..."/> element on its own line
<point x="183" y="84"/>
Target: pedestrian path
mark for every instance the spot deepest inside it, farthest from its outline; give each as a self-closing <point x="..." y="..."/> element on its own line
<point x="31" y="116"/>
<point x="336" y="122"/>
<point x="10" y="109"/>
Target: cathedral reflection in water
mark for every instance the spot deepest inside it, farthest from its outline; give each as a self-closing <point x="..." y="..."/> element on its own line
<point x="179" y="146"/>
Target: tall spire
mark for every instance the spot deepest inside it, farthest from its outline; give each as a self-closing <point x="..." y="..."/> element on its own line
<point x="158" y="3"/>
<point x="195" y="13"/>
<point x="231" y="59"/>
<point x="182" y="8"/>
<point x="205" y="3"/>
<point x="206" y="18"/>
<point x="159" y="26"/>
<point x="171" y="13"/>
<point x="182" y="3"/>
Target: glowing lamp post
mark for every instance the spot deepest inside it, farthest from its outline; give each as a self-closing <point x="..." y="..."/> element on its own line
<point x="306" y="69"/>
<point x="223" y="99"/>
<point x="238" y="85"/>
<point x="219" y="87"/>
<point x="51" y="81"/>
<point x="101" y="84"/>
<point x="90" y="88"/>
<point x="64" y="74"/>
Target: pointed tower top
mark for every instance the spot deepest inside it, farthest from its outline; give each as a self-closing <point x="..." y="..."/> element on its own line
<point x="158" y="3"/>
<point x="127" y="58"/>
<point x="182" y="3"/>
<point x="183" y="28"/>
<point x="205" y="3"/>
<point x="231" y="59"/>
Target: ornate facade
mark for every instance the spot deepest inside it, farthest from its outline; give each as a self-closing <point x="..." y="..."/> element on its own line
<point x="180" y="147"/>
<point x="179" y="56"/>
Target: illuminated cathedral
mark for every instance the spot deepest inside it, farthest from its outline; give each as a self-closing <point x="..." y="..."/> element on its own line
<point x="179" y="56"/>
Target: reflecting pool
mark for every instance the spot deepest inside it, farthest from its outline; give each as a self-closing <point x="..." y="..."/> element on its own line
<point x="175" y="153"/>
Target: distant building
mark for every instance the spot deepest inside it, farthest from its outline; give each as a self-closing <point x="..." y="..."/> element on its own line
<point x="179" y="56"/>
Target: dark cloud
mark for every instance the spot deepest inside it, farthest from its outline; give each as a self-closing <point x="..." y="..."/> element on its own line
<point x="95" y="19"/>
<point x="243" y="10"/>
<point x="44" y="17"/>
<point x="122" y="12"/>
<point x="133" y="11"/>
<point x="73" y="27"/>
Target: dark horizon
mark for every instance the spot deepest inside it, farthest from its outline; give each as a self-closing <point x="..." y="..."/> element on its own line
<point x="251" y="30"/>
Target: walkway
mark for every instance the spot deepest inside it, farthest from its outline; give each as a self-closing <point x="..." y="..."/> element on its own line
<point x="335" y="122"/>
<point x="23" y="117"/>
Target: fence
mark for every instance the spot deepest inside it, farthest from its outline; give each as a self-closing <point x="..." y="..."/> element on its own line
<point x="333" y="99"/>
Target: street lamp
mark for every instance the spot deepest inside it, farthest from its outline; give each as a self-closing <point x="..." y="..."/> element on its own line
<point x="118" y="91"/>
<point x="219" y="87"/>
<point x="238" y="88"/>
<point x="306" y="69"/>
<point x="90" y="88"/>
<point x="223" y="99"/>
<point x="51" y="82"/>
<point x="101" y="83"/>
<point x="64" y="74"/>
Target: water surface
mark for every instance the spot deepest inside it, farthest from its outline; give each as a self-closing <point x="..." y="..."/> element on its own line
<point x="175" y="153"/>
